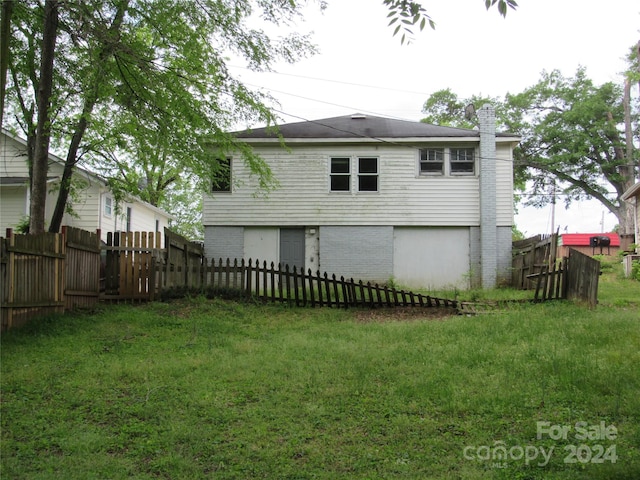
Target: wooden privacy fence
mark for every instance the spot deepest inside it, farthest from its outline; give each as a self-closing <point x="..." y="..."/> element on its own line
<point x="529" y="257"/>
<point x="583" y="274"/>
<point x="574" y="277"/>
<point x="47" y="273"/>
<point x="82" y="268"/>
<point x="279" y="283"/>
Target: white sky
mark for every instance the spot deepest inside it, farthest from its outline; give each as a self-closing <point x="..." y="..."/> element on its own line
<point x="361" y="67"/>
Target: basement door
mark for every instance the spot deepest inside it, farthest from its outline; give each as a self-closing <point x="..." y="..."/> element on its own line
<point x="292" y="248"/>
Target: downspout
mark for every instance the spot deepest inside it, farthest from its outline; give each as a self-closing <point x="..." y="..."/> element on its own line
<point x="488" y="213"/>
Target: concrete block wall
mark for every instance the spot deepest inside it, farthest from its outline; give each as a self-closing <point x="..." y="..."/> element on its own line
<point x="362" y="252"/>
<point x="224" y="242"/>
<point x="504" y="260"/>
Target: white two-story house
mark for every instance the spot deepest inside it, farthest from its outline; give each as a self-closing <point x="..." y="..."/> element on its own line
<point x="373" y="199"/>
<point x="93" y="204"/>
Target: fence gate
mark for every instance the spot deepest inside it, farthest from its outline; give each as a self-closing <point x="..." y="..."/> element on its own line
<point x="82" y="269"/>
<point x="128" y="269"/>
<point x="530" y="257"/>
<point x="583" y="276"/>
<point x="32" y="275"/>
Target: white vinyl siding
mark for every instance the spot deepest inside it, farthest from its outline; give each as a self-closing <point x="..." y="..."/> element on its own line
<point x="303" y="198"/>
<point x="13" y="207"/>
<point x="504" y="185"/>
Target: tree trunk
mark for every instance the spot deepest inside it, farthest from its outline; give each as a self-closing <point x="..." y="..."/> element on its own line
<point x="90" y="101"/>
<point x="67" y="174"/>
<point x="45" y="85"/>
<point x="5" y="28"/>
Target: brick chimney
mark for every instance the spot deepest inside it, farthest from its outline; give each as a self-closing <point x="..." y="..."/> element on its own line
<point x="488" y="214"/>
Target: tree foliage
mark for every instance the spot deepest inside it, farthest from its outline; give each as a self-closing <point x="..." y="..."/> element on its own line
<point x="141" y="88"/>
<point x="404" y="15"/>
<point x="140" y="82"/>
<point x="574" y="138"/>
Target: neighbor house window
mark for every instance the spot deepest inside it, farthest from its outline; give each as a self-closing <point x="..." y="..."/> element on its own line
<point x="462" y="160"/>
<point x="340" y="175"/>
<point x="432" y="161"/>
<point x="367" y="174"/>
<point x="222" y="177"/>
<point x="108" y="206"/>
<point x="128" y="219"/>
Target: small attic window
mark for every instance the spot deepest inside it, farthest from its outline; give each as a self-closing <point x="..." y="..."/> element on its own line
<point x="358" y="116"/>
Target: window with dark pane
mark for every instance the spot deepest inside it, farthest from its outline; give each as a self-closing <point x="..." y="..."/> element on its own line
<point x="340" y="174"/>
<point x="432" y="161"/>
<point x="368" y="174"/>
<point x="222" y="176"/>
<point x="462" y="160"/>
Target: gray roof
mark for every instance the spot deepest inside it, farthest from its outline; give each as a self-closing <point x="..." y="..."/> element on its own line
<point x="359" y="126"/>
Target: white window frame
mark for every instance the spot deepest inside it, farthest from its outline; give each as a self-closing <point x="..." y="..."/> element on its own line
<point x="471" y="162"/>
<point x="375" y="174"/>
<point x="448" y="162"/>
<point x="340" y="174"/>
<point x="427" y="160"/>
<point x="107" y="208"/>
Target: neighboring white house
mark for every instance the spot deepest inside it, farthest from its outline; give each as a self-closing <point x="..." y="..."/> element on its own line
<point x="94" y="205"/>
<point x="375" y="199"/>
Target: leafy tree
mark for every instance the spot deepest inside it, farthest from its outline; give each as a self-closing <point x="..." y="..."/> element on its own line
<point x="132" y="72"/>
<point x="137" y="84"/>
<point x="574" y="139"/>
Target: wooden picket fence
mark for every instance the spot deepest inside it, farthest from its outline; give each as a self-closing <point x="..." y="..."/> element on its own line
<point x="51" y="273"/>
<point x="279" y="283"/>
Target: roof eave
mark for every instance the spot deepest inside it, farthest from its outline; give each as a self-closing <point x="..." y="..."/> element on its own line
<point x="631" y="192"/>
<point x="395" y="140"/>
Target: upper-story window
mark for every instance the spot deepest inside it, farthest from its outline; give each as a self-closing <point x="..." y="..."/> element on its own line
<point x="340" y="175"/>
<point x="462" y="160"/>
<point x="432" y="161"/>
<point x="222" y="178"/>
<point x="447" y="161"/>
<point x="344" y="170"/>
<point x="367" y="174"/>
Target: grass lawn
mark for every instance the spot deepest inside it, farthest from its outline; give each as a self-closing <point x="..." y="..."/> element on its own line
<point x="218" y="389"/>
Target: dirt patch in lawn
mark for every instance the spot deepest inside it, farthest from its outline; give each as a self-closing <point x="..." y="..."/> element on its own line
<point x="404" y="313"/>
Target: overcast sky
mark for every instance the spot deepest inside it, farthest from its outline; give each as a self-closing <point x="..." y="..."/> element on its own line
<point x="361" y="67"/>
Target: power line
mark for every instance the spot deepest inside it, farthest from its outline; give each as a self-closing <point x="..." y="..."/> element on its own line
<point x="341" y="82"/>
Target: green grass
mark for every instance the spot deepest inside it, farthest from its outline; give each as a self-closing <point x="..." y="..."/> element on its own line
<point x="220" y="389"/>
